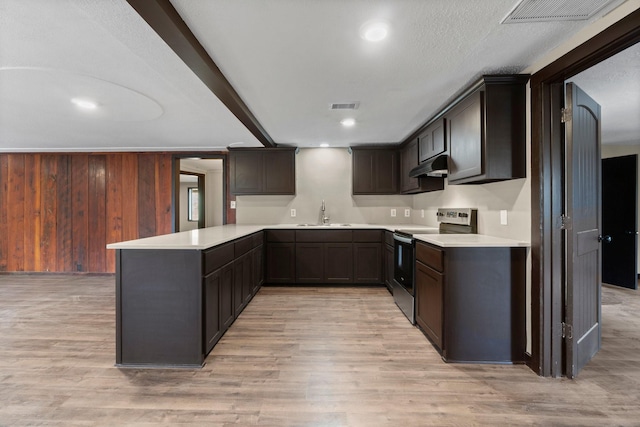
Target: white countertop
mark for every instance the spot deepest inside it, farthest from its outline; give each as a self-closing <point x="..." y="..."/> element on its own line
<point x="469" y="241"/>
<point x="205" y="238"/>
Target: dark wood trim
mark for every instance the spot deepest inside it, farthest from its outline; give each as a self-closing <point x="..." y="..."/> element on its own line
<point x="163" y="18"/>
<point x="547" y="91"/>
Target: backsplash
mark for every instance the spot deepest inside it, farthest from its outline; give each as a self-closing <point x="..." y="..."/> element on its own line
<point x="325" y="173"/>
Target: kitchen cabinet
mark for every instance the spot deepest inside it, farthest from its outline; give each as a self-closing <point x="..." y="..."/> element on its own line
<point x="409" y="160"/>
<point x="217" y="305"/>
<point x="375" y="171"/>
<point x="486" y="132"/>
<point x="367" y="256"/>
<point x="432" y="142"/>
<point x="280" y="264"/>
<point x="429" y="292"/>
<point x="324" y="256"/>
<point x="262" y="171"/>
<point x="470" y="302"/>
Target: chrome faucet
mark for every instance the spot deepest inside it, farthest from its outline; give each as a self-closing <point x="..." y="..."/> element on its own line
<point x="325" y="219"/>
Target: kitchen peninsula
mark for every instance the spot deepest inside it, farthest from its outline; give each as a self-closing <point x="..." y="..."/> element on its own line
<point x="177" y="294"/>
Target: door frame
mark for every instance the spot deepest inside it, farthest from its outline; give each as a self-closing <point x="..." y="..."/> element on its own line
<point x="175" y="188"/>
<point x="546" y="187"/>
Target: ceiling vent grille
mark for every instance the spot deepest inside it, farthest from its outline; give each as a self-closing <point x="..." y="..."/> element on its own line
<point x="557" y="10"/>
<point x="344" y="106"/>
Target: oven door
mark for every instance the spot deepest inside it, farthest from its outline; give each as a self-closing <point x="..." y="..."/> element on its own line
<point x="404" y="262"/>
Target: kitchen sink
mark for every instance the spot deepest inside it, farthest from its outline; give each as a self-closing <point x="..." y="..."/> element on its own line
<point x="324" y="225"/>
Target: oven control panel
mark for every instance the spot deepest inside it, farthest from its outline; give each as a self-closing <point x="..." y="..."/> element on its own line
<point x="460" y="216"/>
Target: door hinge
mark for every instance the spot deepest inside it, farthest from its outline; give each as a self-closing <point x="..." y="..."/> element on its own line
<point x="567" y="331"/>
<point x="565" y="115"/>
<point x="565" y="222"/>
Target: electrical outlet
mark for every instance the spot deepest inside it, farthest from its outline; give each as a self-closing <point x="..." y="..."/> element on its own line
<point x="407" y="212"/>
<point x="503" y="217"/>
<point x="422" y="213"/>
<point x="293" y="213"/>
<point x="233" y="204"/>
<point x="393" y="212"/>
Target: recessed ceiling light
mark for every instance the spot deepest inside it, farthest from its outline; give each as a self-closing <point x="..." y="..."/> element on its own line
<point x="84" y="103"/>
<point x="374" y="31"/>
<point x="324" y="145"/>
<point x="348" y="122"/>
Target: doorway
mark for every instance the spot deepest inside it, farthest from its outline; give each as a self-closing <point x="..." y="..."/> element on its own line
<point x="547" y="93"/>
<point x="201" y="202"/>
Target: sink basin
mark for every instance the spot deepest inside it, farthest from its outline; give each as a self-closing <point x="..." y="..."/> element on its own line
<point x="306" y="225"/>
<point x="324" y="225"/>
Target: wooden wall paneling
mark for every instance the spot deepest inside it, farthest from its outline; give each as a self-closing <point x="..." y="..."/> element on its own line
<point x="80" y="211"/>
<point x="130" y="198"/>
<point x="48" y="213"/>
<point x="64" y="216"/>
<point x="146" y="195"/>
<point x="15" y="210"/>
<point x="164" y="175"/>
<point x="4" y="190"/>
<point x="113" y="206"/>
<point x="97" y="220"/>
<point x="32" y="220"/>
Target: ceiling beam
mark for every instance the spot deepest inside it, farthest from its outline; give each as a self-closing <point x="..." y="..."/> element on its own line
<point x="165" y="20"/>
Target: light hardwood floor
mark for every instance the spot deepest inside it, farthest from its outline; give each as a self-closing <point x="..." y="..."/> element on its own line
<point x="295" y="357"/>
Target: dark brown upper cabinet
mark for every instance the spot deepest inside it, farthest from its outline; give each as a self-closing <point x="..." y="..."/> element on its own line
<point x="409" y="160"/>
<point x="432" y="142"/>
<point x="375" y="171"/>
<point x="262" y="171"/>
<point x="486" y="132"/>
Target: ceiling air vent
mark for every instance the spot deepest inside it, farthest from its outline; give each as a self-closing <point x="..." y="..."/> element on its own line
<point x="557" y="10"/>
<point x="344" y="106"/>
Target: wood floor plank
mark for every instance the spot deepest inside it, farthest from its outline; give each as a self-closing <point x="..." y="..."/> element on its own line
<point x="295" y="357"/>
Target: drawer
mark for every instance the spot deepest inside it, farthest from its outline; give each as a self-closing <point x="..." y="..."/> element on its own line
<point x="258" y="239"/>
<point x="216" y="257"/>
<point x="322" y="236"/>
<point x="374" y="236"/>
<point x="243" y="245"/>
<point x="281" y="236"/>
<point x="430" y="256"/>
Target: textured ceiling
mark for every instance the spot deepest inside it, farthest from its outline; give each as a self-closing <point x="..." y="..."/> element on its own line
<point x="287" y="59"/>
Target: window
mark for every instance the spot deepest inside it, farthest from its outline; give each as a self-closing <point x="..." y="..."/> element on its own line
<point x="192" y="202"/>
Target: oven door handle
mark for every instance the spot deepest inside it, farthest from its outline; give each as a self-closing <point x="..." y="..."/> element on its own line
<point x="403" y="239"/>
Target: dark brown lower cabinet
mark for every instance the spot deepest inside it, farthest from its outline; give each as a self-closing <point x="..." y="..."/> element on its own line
<point x="338" y="263"/>
<point x="367" y="262"/>
<point x="242" y="279"/>
<point x="429" y="301"/>
<point x="470" y="302"/>
<point x="258" y="268"/>
<point x="281" y="263"/>
<point x="227" y="313"/>
<point x="309" y="262"/>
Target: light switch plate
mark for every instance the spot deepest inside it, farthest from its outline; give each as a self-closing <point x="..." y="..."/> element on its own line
<point x="422" y="213"/>
<point x="293" y="213"/>
<point x="407" y="212"/>
<point x="233" y="204"/>
<point x="393" y="212"/>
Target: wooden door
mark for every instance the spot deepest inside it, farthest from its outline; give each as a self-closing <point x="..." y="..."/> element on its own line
<point x="583" y="225"/>
<point x="619" y="221"/>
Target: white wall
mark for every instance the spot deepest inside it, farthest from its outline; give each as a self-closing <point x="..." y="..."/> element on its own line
<point x="322" y="173"/>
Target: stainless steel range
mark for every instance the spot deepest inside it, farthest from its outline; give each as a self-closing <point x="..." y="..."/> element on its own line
<point x="451" y="221"/>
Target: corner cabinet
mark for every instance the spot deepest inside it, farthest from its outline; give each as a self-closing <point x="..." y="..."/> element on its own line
<point x="408" y="160"/>
<point x="262" y="171"/>
<point x="375" y="171"/>
<point x="486" y="132"/>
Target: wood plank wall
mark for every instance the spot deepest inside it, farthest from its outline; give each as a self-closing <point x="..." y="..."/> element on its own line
<point x="58" y="211"/>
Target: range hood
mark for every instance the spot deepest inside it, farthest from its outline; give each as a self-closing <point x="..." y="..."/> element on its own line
<point x="435" y="166"/>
